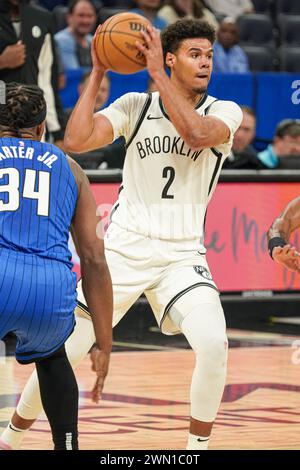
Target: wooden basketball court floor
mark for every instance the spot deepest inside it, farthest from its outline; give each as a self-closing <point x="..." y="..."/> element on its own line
<point x="145" y="404"/>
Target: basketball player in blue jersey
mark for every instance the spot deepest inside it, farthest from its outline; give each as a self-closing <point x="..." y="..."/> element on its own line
<point x="42" y="195"/>
<point x="177" y="140"/>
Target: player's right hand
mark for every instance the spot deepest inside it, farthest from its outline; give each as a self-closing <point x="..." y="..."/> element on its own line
<point x="13" y="56"/>
<point x="100" y="362"/>
<point x="287" y="256"/>
<point x="97" y="64"/>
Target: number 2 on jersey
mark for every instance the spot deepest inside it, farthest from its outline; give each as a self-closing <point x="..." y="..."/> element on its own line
<point x="168" y="172"/>
<point x="13" y="189"/>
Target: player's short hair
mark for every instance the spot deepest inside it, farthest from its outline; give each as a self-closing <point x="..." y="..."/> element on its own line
<point x="25" y="106"/>
<point x="248" y="110"/>
<point x="173" y="35"/>
<point x="288" y="127"/>
<point x="72" y="4"/>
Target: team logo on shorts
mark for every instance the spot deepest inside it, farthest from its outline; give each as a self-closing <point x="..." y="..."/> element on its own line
<point x="203" y="272"/>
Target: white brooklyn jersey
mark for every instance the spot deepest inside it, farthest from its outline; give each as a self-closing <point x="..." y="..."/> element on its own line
<point x="166" y="185"/>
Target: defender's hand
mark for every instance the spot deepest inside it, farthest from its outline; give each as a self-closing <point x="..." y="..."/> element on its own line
<point x="287" y="256"/>
<point x="100" y="362"/>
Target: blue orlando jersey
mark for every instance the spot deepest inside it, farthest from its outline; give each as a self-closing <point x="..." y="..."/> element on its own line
<point x="38" y="195"/>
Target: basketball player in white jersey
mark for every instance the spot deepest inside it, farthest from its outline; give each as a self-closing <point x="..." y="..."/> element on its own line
<point x="177" y="139"/>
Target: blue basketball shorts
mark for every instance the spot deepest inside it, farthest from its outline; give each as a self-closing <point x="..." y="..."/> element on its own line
<point x="37" y="302"/>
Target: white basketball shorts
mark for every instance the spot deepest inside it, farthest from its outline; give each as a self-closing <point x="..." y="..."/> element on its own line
<point x="163" y="270"/>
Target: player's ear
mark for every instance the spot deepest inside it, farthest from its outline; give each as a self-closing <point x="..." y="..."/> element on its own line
<point x="170" y="59"/>
<point x="40" y="129"/>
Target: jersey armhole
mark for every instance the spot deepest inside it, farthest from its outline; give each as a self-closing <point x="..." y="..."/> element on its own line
<point x="209" y="106"/>
<point x="140" y="119"/>
<point x="213" y="149"/>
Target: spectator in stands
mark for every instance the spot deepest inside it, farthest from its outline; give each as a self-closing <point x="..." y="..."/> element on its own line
<point x="286" y="143"/>
<point x="173" y="10"/>
<point x="27" y="55"/>
<point x="102" y="96"/>
<point x="229" y="57"/>
<point x="243" y="154"/>
<point x="149" y="9"/>
<point x="233" y="8"/>
<point x="103" y="92"/>
<point x="74" y="42"/>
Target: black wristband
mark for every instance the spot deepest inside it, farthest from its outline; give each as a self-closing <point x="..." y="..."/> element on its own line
<point x="273" y="243"/>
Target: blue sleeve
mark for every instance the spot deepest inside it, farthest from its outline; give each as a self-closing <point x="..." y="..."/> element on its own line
<point x="67" y="49"/>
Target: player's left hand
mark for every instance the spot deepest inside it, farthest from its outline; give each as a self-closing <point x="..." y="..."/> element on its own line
<point x="100" y="362"/>
<point x="152" y="50"/>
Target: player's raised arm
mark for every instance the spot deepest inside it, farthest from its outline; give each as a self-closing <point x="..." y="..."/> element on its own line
<point x="279" y="234"/>
<point x="85" y="130"/>
<point x="197" y="131"/>
<point x="96" y="281"/>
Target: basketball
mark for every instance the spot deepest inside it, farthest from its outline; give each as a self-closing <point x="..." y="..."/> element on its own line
<point x="115" y="43"/>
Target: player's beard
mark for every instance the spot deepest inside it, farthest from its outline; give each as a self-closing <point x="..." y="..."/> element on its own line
<point x="200" y="91"/>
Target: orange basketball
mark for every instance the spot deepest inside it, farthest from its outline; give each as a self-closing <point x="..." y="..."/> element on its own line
<point x="115" y="43"/>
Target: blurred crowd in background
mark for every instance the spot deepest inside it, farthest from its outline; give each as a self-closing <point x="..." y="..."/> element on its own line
<point x="48" y="42"/>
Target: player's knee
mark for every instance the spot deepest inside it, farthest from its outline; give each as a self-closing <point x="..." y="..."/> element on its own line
<point x="213" y="351"/>
<point x="205" y="329"/>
